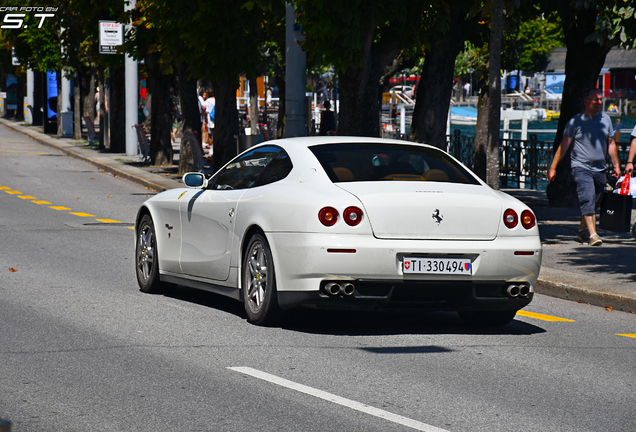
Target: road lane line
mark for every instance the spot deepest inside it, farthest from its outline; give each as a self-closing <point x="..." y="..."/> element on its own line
<point x="404" y="421"/>
<point x="629" y="335"/>
<point x="542" y="317"/>
<point x="59" y="208"/>
<point x="13" y="192"/>
<point x="41" y="202"/>
<point x="26" y="197"/>
<point x="81" y="214"/>
<point x="108" y="220"/>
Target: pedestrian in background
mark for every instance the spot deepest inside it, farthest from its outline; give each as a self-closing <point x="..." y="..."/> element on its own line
<point x="327" y="120"/>
<point x="210" y="103"/>
<point x="629" y="167"/>
<point x="204" y="123"/>
<point x="591" y="136"/>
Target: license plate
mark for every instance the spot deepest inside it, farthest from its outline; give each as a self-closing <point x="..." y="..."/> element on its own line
<point x="438" y="266"/>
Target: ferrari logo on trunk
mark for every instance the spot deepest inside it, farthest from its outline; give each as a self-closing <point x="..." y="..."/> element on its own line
<point x="437" y="217"/>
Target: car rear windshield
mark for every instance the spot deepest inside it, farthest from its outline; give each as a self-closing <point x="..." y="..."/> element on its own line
<point x="355" y="162"/>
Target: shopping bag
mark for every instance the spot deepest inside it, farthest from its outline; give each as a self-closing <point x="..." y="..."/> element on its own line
<point x="625" y="185"/>
<point x="616" y="212"/>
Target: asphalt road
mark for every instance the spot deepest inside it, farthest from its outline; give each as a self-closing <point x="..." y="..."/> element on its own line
<point x="81" y="349"/>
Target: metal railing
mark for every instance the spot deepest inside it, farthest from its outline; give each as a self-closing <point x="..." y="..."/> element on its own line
<point x="523" y="164"/>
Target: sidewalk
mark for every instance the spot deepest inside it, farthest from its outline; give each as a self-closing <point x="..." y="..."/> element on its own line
<point x="603" y="276"/>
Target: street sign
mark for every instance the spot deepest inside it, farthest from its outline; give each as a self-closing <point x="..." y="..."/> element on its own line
<point x="111" y="35"/>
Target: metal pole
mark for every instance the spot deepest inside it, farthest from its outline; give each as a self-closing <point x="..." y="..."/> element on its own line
<point x="132" y="98"/>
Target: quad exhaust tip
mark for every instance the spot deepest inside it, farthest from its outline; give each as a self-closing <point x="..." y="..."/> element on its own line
<point x="334" y="288"/>
<point x="514" y="291"/>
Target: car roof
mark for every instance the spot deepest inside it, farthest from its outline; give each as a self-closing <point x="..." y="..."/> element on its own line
<point x="318" y="140"/>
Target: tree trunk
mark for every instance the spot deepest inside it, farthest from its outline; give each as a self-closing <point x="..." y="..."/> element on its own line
<point x="494" y="94"/>
<point x="160" y="116"/>
<point x="480" y="164"/>
<point x="102" y="110"/>
<point x="117" y="109"/>
<point x="191" y="117"/>
<point x="77" y="108"/>
<point x="226" y="121"/>
<point x="360" y="88"/>
<point x="88" y="87"/>
<point x="433" y="96"/>
<point x="583" y="63"/>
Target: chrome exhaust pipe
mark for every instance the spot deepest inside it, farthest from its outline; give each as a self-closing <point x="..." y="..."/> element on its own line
<point x="347" y="289"/>
<point x="513" y="291"/>
<point x="524" y="291"/>
<point x="332" y="288"/>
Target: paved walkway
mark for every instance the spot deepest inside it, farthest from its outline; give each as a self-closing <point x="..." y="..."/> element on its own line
<point x="602" y="276"/>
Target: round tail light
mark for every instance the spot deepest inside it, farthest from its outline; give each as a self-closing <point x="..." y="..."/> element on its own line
<point x="527" y="219"/>
<point x="352" y="216"/>
<point x="510" y="218"/>
<point x="328" y="216"/>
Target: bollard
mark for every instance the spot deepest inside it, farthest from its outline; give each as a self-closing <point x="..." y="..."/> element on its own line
<point x="5" y="426"/>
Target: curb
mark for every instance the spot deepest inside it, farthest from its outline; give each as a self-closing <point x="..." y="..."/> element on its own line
<point x="107" y="164"/>
<point x="592" y="297"/>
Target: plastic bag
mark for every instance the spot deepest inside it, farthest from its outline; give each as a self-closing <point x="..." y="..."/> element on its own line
<point x="625" y="186"/>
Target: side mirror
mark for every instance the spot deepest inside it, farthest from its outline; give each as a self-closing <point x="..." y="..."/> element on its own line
<point x="195" y="180"/>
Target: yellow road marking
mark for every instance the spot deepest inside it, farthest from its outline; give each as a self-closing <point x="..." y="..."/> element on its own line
<point x="80" y="214"/>
<point x="630" y="335"/>
<point x="59" y="208"/>
<point x="132" y="228"/>
<point x="26" y="197"/>
<point x="542" y="317"/>
<point x="5" y="188"/>
<point x="108" y="220"/>
<point x="12" y="192"/>
<point x="41" y="202"/>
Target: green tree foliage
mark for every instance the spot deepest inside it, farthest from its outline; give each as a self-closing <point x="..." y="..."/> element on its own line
<point x="591" y="29"/>
<point x="532" y="41"/>
<point x="37" y="44"/>
<point x="213" y="40"/>
<point x="360" y="39"/>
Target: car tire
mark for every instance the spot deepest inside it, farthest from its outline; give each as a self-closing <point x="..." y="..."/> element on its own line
<point x="259" y="282"/>
<point x="487" y="318"/>
<point x="147" y="258"/>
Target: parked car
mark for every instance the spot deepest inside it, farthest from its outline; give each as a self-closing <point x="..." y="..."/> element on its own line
<point x="343" y="222"/>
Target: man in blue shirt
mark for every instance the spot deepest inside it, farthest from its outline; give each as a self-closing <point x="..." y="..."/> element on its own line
<point x="591" y="136"/>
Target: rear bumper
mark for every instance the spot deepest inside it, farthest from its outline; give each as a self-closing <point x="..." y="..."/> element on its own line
<point x="438" y="295"/>
<point x="303" y="264"/>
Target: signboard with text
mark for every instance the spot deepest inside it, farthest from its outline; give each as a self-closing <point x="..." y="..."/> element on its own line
<point x="111" y="35"/>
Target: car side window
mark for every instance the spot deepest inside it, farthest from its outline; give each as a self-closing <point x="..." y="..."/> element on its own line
<point x="276" y="170"/>
<point x="242" y="173"/>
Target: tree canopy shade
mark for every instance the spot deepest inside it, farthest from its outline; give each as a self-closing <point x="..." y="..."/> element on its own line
<point x="591" y="29"/>
<point x="528" y="44"/>
<point x="213" y="40"/>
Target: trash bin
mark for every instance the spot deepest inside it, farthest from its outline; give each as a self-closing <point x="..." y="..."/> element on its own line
<point x="67" y="124"/>
<point x="246" y="141"/>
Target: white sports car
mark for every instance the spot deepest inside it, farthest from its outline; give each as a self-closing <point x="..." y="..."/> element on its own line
<point x="343" y="222"/>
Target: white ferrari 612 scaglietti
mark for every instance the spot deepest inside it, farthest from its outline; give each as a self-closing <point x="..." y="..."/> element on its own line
<point x="343" y="222"/>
